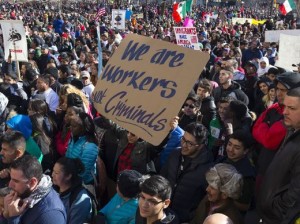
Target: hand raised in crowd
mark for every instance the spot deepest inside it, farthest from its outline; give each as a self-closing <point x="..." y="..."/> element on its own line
<point x="174" y="122"/>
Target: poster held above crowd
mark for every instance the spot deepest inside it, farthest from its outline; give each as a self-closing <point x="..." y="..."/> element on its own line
<point x="140" y="82"/>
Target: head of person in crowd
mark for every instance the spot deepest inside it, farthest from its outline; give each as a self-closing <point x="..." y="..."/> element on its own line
<point x="224" y="183"/>
<point x="239" y="144"/>
<point x="204" y="89"/>
<point x="10" y="77"/>
<point x="83" y="57"/>
<point x="30" y="75"/>
<point x="191" y="105"/>
<point x="263" y="84"/>
<point x="45" y="49"/>
<point x="65" y="91"/>
<point x="64" y="58"/>
<point x="207" y="48"/>
<point x="223" y="108"/>
<point x="105" y="57"/>
<point x="193" y="140"/>
<point x="237" y="110"/>
<point x="218" y="218"/>
<point x="285" y="82"/>
<point x="64" y="71"/>
<point x="154" y="199"/>
<point x="250" y="69"/>
<point x="272" y="73"/>
<point x="94" y="73"/>
<point x="53" y="74"/>
<point x="12" y="146"/>
<point x="66" y="173"/>
<point x="43" y="83"/>
<point x="243" y="45"/>
<point x="254" y="44"/>
<point x="92" y="57"/>
<point x="85" y="78"/>
<point x="72" y="113"/>
<point x="83" y="125"/>
<point x="226" y="76"/>
<point x="26" y="169"/>
<point x="24" y="67"/>
<point x="292" y="109"/>
<point x="37" y="106"/>
<point x="128" y="184"/>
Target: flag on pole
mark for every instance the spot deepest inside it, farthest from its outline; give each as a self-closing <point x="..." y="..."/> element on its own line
<point x="189" y="5"/>
<point x="287" y="6"/>
<point x="100" y="13"/>
<point x="179" y="11"/>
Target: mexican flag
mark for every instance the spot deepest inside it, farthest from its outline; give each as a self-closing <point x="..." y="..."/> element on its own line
<point x="179" y="11"/>
<point x="287" y="6"/>
<point x="189" y="5"/>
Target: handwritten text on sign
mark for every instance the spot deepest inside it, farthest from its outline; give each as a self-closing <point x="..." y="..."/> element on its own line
<point x="187" y="37"/>
<point x="145" y="83"/>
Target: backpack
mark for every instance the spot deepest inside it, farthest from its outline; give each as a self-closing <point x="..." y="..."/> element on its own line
<point x="74" y="195"/>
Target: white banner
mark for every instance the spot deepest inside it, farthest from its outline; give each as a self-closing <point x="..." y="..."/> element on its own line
<point x="14" y="40"/>
<point x="118" y="19"/>
<point x="289" y="51"/>
<point x="274" y="35"/>
<point x="241" y="20"/>
<point x="187" y="37"/>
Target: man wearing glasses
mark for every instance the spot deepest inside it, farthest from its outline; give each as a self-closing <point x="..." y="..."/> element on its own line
<point x="154" y="201"/>
<point x="186" y="170"/>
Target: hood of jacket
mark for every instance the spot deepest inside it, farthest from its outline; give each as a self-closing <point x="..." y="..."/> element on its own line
<point x="22" y="124"/>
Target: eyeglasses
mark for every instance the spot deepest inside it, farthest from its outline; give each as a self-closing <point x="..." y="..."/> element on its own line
<point x="151" y="202"/>
<point x="84" y="78"/>
<point x="192" y="106"/>
<point x="189" y="144"/>
<point x="205" y="49"/>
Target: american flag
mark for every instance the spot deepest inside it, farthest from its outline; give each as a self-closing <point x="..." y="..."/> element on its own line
<point x="100" y="13"/>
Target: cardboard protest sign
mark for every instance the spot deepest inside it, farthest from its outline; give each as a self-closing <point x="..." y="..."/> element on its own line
<point x="145" y="83"/>
<point x="289" y="51"/>
<point x="274" y="35"/>
<point x="187" y="37"/>
<point x="14" y="40"/>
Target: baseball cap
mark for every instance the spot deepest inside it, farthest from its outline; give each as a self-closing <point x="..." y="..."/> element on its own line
<point x="85" y="74"/>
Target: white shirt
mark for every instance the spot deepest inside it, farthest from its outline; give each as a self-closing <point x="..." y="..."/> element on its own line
<point x="51" y="98"/>
<point x="88" y="90"/>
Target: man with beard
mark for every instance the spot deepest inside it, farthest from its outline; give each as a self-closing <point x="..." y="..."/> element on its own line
<point x="32" y="199"/>
<point x="12" y="147"/>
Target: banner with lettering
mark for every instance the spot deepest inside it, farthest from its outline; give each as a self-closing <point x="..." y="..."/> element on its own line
<point x="145" y="83"/>
<point x="14" y="40"/>
<point x="187" y="37"/>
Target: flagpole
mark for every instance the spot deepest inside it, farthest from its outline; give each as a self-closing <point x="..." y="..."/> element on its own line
<point x="16" y="60"/>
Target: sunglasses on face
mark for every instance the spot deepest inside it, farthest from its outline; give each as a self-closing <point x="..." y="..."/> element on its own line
<point x="192" y="106"/>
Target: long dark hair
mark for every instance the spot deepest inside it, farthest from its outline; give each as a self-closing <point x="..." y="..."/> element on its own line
<point x="73" y="167"/>
<point x="88" y="127"/>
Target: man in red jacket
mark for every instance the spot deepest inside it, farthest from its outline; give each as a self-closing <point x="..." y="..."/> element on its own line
<point x="269" y="130"/>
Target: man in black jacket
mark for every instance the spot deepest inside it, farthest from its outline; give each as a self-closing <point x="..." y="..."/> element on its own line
<point x="228" y="87"/>
<point x="186" y="170"/>
<point x="279" y="201"/>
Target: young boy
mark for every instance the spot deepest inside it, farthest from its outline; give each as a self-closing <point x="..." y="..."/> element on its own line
<point x="154" y="200"/>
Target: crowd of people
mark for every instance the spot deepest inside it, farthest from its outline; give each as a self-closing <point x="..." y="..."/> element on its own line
<point x="231" y="151"/>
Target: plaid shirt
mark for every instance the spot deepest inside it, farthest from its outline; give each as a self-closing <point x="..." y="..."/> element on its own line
<point x="124" y="159"/>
